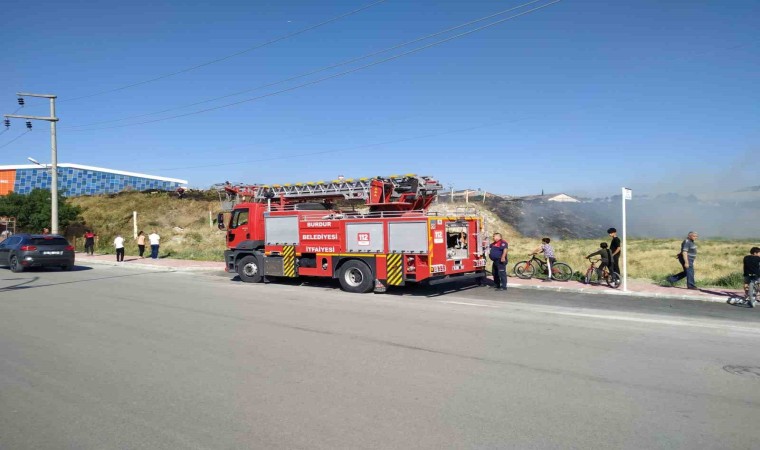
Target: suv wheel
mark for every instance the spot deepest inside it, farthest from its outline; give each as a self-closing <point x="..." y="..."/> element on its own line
<point x="15" y="265"/>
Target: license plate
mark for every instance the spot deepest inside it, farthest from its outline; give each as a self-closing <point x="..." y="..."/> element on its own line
<point x="52" y="253"/>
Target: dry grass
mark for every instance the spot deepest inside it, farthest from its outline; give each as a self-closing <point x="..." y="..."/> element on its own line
<point x="717" y="264"/>
<point x="182" y="223"/>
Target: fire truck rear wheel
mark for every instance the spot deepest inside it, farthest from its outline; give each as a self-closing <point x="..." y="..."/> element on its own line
<point x="249" y="269"/>
<point x="355" y="276"/>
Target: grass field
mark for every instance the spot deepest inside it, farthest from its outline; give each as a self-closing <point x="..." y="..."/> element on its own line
<point x="186" y="234"/>
<point x="719" y="262"/>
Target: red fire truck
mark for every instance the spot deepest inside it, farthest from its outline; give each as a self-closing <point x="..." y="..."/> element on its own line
<point x="369" y="233"/>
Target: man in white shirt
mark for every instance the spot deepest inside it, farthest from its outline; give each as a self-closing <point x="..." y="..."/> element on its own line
<point x="155" y="241"/>
<point x="118" y="242"/>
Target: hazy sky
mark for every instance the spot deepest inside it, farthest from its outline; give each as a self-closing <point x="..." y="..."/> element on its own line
<point x="581" y="96"/>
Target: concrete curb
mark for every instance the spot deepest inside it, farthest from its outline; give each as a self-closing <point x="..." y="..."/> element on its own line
<point x="656" y="295"/>
<point x="132" y="265"/>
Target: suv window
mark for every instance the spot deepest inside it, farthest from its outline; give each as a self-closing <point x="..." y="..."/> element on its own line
<point x="239" y="217"/>
<point x="48" y="241"/>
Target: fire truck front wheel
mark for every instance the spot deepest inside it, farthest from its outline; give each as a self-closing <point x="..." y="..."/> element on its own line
<point x="249" y="269"/>
<point x="355" y="276"/>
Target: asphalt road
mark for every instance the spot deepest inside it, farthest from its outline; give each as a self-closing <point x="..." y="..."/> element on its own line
<point x="110" y="358"/>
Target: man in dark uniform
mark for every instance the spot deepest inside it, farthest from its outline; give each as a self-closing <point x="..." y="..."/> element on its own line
<point x="498" y="253"/>
<point x="615" y="250"/>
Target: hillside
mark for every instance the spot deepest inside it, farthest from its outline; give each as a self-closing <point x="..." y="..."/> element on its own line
<point x="182" y="223"/>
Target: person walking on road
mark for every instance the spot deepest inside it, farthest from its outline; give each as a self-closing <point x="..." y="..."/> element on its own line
<point x="141" y="244"/>
<point x="615" y="250"/>
<point x="89" y="242"/>
<point x="498" y="251"/>
<point x="118" y="243"/>
<point x="155" y="242"/>
<point x="686" y="257"/>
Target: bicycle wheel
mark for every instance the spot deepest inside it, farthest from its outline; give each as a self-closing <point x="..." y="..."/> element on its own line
<point x="613" y="280"/>
<point x="524" y="270"/>
<point x="561" y="272"/>
<point x="592" y="277"/>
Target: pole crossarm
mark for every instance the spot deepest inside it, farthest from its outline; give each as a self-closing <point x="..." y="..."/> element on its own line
<point x="17" y="116"/>
<point x="26" y="94"/>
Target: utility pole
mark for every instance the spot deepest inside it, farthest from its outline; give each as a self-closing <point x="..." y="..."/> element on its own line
<point x="53" y="153"/>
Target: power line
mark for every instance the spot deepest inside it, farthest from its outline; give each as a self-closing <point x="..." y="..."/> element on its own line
<point x="314" y="72"/>
<point x="346" y="149"/>
<point x="320" y="80"/>
<point x="693" y="55"/>
<point x="224" y="58"/>
<point x="14" y="139"/>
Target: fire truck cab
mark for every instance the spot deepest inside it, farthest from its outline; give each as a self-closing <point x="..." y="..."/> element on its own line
<point x="381" y="235"/>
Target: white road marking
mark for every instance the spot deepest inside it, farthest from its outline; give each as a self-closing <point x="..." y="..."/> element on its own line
<point x="471" y="304"/>
<point x="683" y="323"/>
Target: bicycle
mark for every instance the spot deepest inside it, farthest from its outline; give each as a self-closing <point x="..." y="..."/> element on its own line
<point x="752" y="297"/>
<point x="593" y="275"/>
<point x="526" y="269"/>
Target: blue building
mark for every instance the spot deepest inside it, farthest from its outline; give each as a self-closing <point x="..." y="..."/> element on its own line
<point x="76" y="179"/>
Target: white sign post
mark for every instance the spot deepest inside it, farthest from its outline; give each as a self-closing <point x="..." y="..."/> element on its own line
<point x="627" y="195"/>
<point x="134" y="223"/>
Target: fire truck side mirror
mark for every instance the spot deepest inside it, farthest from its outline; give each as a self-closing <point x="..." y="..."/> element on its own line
<point x="220" y="221"/>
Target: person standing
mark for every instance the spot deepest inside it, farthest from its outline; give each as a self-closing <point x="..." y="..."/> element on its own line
<point x="686" y="257"/>
<point x="141" y="244"/>
<point x="498" y="253"/>
<point x="751" y="264"/>
<point x="615" y="250"/>
<point x="155" y="242"/>
<point x="118" y="243"/>
<point x="89" y="242"/>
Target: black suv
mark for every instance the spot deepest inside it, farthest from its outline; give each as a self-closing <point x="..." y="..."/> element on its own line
<point x="21" y="251"/>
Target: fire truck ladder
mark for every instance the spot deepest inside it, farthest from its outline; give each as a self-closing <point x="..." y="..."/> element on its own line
<point x="349" y="188"/>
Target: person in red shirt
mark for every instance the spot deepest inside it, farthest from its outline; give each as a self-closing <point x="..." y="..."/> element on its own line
<point x="89" y="242"/>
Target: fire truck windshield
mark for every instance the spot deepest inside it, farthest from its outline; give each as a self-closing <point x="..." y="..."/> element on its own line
<point x="239" y="217"/>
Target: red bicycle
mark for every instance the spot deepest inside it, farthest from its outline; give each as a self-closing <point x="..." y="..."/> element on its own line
<point x="594" y="275"/>
<point x="535" y="266"/>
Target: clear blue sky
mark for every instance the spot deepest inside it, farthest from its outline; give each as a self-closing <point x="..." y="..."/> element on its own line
<point x="581" y="96"/>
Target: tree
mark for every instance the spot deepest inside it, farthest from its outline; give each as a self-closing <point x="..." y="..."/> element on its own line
<point x="32" y="211"/>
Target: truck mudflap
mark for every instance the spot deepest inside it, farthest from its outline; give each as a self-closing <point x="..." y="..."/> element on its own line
<point x="455" y="278"/>
<point x="380" y="287"/>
